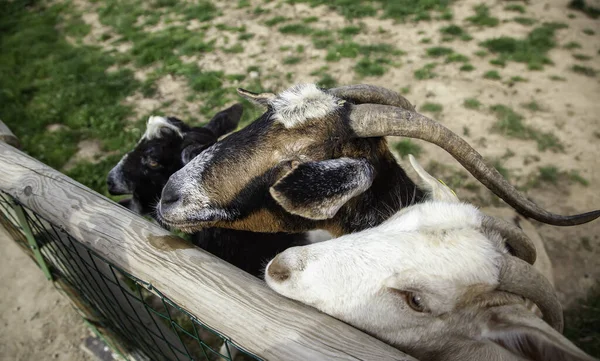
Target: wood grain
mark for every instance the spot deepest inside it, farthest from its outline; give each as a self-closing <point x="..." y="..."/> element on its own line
<point x="220" y="295"/>
<point x="7" y="136"/>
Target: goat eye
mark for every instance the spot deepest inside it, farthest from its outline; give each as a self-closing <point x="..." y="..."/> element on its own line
<point x="415" y="302"/>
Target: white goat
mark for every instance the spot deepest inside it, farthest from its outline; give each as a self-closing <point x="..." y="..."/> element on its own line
<point x="434" y="281"/>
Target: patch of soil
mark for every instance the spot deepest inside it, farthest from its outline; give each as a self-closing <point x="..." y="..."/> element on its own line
<point x="36" y="322"/>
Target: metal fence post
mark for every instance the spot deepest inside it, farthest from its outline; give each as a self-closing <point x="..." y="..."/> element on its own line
<point x="31" y="240"/>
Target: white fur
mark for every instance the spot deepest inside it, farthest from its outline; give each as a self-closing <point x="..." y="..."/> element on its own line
<point x="303" y="102"/>
<point x="434" y="249"/>
<point x="154" y="126"/>
<point x="193" y="196"/>
<point x="118" y="179"/>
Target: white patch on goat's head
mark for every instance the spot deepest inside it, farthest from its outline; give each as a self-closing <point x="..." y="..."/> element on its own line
<point x="117" y="183"/>
<point x="303" y="102"/>
<point x="435" y="250"/>
<point x="193" y="197"/>
<point x="156" y="125"/>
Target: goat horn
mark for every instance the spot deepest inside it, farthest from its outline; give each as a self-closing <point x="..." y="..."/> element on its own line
<point x="374" y="120"/>
<point x="260" y="98"/>
<point x="520" y="278"/>
<point x="521" y="245"/>
<point x="370" y="94"/>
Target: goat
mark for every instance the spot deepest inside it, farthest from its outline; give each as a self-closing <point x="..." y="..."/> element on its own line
<point x="318" y="159"/>
<point x="435" y="281"/>
<point x="165" y="147"/>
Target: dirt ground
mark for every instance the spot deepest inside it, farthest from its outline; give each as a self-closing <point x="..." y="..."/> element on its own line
<point x="38" y="323"/>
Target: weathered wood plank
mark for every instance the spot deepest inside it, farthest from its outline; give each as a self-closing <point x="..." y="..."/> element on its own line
<point x="7" y="136"/>
<point x="220" y="295"/>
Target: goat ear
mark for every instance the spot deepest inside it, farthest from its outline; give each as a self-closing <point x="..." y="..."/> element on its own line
<point x="523" y="333"/>
<point x="257" y="98"/>
<point x="439" y="191"/>
<point x="317" y="190"/>
<point x="194" y="142"/>
<point x="226" y="120"/>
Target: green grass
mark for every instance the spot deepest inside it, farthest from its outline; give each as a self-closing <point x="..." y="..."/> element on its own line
<point x="46" y="80"/>
<point x="327" y="81"/>
<point x="437" y="51"/>
<point x="572" y="45"/>
<point x="578" y="178"/>
<point x="582" y="324"/>
<point x="432" y="107"/>
<point x="426" y="72"/>
<point x="472" y="103"/>
<point x="482" y="17"/>
<point x="518" y="79"/>
<point x="467" y="67"/>
<point x="498" y="62"/>
<point x="515" y="7"/>
<point x="532" y="50"/>
<point x="584" y="70"/>
<point x="580" y="5"/>
<point x="552" y="175"/>
<point x="582" y="57"/>
<point x="510" y="123"/>
<point x="549" y="174"/>
<point x="296" y="29"/>
<point x="589" y="31"/>
<point x="492" y="74"/>
<point x="453" y="31"/>
<point x="456" y="58"/>
<point x="371" y="67"/>
<point x="414" y="10"/>
<point x="234" y="49"/>
<point x="290" y="60"/>
<point x="524" y="20"/>
<point x="532" y="105"/>
<point x="350" y="30"/>
<point x="557" y="78"/>
<point x="406" y="147"/>
<point x="276" y="20"/>
<point x="350" y="49"/>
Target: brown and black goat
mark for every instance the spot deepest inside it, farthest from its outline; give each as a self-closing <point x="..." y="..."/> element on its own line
<point x="165" y="147"/>
<point x="318" y="159"/>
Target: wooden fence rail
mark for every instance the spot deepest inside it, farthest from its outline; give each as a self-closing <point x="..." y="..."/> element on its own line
<point x="218" y="294"/>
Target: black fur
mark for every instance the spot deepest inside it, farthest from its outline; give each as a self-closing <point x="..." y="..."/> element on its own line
<point x="247" y="250"/>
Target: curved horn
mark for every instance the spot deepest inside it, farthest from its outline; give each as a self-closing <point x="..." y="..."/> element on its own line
<point x="260" y="98"/>
<point x="521" y="245"/>
<point x="373" y="120"/>
<point x="370" y="94"/>
<point x="522" y="279"/>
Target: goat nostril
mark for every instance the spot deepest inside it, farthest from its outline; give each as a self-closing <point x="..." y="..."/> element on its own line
<point x="277" y="271"/>
<point x="169" y="195"/>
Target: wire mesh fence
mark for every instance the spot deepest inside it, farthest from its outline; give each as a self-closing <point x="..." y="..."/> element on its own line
<point x="136" y="320"/>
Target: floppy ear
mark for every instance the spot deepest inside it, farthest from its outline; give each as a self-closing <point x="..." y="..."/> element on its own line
<point x="522" y="333"/>
<point x="226" y="120"/>
<point x="317" y="190"/>
<point x="439" y="191"/>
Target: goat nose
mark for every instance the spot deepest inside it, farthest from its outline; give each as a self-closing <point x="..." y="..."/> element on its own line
<point x="277" y="271"/>
<point x="169" y="195"/>
<point x="110" y="183"/>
